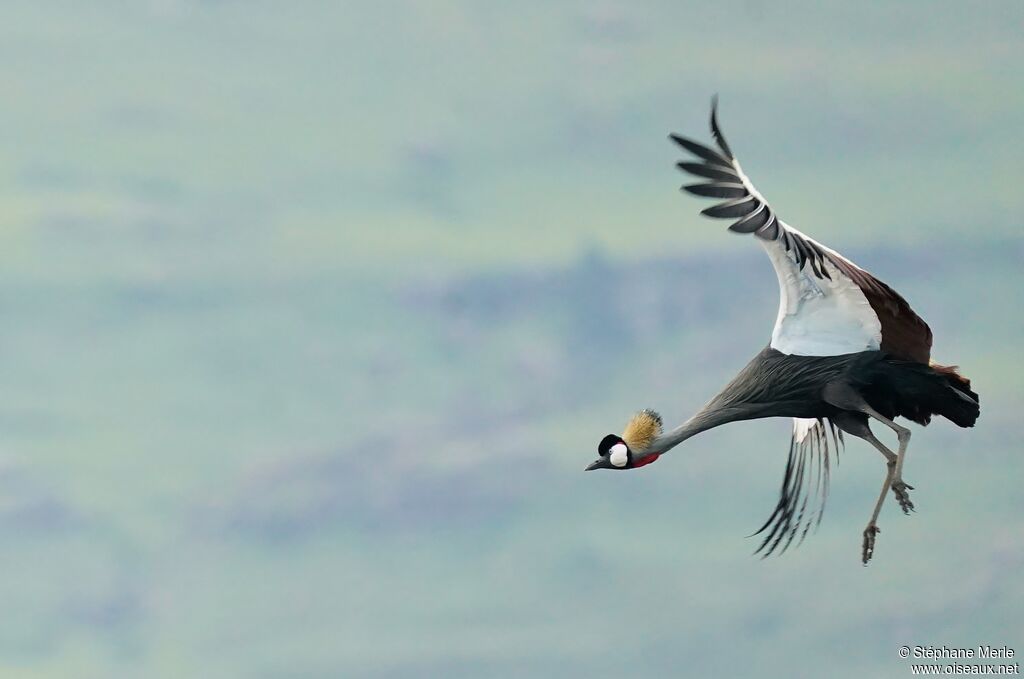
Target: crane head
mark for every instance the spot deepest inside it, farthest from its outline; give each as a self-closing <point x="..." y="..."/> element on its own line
<point x="632" y="449"/>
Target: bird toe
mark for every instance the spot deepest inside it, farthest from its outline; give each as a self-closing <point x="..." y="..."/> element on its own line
<point x="900" y="490"/>
<point x="868" y="544"/>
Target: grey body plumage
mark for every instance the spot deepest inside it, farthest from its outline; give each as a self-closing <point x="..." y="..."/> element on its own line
<point x="846" y="349"/>
<point x="774" y="384"/>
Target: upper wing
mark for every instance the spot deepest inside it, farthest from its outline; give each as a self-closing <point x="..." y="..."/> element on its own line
<point x="828" y="305"/>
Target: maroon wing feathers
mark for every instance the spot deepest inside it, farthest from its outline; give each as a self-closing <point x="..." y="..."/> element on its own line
<point x="905" y="335"/>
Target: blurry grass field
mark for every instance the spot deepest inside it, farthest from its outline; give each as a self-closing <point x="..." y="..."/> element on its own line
<point x="313" y="315"/>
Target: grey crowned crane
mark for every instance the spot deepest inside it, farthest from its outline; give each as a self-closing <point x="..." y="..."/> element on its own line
<point x="846" y="349"/>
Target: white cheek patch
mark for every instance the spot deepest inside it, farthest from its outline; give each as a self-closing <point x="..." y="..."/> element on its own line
<point x="618" y="455"/>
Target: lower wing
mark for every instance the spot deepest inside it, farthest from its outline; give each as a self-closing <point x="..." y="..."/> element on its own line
<point x="806" y="477"/>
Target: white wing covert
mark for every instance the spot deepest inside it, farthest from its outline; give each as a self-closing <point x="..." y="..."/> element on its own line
<point x="823" y="308"/>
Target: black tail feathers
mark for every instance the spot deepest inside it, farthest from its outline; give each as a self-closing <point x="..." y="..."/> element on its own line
<point x="966" y="408"/>
<point x="917" y="391"/>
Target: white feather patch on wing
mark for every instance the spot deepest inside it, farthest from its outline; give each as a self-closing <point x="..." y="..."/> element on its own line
<point x="818" y="316"/>
<point x="802" y="427"/>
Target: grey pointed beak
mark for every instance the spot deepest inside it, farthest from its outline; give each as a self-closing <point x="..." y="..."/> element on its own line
<point x="596" y="464"/>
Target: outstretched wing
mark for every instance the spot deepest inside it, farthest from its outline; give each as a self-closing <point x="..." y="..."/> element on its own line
<point x="807" y="476"/>
<point x="828" y="305"/>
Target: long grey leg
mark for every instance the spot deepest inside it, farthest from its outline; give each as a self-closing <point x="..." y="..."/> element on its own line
<point x="857" y="425"/>
<point x="868" y="546"/>
<point x="899" y="487"/>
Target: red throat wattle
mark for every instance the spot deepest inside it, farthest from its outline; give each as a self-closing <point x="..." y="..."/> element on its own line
<point x="647" y="459"/>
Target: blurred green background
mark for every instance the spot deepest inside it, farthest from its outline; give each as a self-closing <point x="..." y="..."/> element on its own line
<point x="313" y="313"/>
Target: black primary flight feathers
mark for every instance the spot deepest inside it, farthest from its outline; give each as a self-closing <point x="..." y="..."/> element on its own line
<point x="904" y="333"/>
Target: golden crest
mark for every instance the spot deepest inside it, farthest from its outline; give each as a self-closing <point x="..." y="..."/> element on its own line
<point x="642" y="430"/>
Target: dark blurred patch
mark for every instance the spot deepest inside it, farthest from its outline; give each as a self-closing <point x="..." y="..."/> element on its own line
<point x="104" y="607"/>
<point x="596" y="311"/>
<point x="611" y="302"/>
<point x="427" y="177"/>
<point x="376" y="488"/>
<point x="605" y="309"/>
<point x="29" y="509"/>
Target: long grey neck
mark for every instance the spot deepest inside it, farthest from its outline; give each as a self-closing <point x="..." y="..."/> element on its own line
<point x="742" y="399"/>
<point x="710" y="416"/>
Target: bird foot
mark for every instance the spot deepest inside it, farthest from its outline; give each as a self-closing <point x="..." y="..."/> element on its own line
<point x="868" y="547"/>
<point x="900" y="489"/>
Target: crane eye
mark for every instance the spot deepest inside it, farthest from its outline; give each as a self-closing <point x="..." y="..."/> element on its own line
<point x="606" y="444"/>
